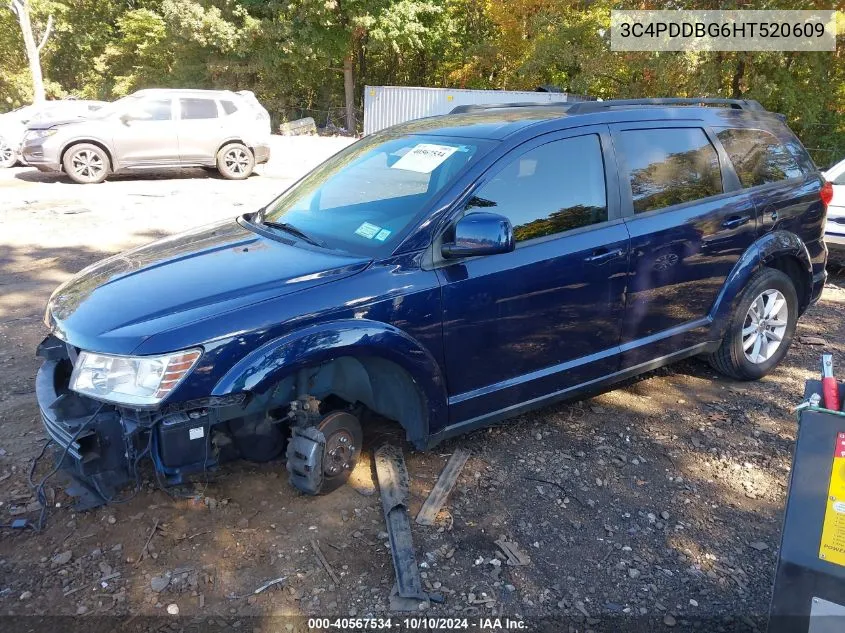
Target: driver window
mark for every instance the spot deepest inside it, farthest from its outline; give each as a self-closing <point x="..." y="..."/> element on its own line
<point x="550" y="189"/>
<point x="152" y="110"/>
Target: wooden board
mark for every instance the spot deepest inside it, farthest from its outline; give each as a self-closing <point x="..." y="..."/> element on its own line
<point x="440" y="492"/>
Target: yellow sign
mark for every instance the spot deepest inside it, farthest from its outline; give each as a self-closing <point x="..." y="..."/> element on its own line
<point x="832" y="547"/>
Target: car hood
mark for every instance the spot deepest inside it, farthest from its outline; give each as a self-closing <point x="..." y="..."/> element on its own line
<point x="48" y="123"/>
<point x="115" y="304"/>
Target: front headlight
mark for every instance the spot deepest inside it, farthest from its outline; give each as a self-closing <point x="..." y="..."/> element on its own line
<point x="138" y="380"/>
<point x="34" y="134"/>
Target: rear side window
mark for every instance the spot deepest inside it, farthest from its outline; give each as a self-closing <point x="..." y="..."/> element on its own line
<point x="758" y="156"/>
<point x="550" y="189"/>
<point x="198" y="108"/>
<point x="670" y="166"/>
<point x="840" y="179"/>
<point x="229" y="107"/>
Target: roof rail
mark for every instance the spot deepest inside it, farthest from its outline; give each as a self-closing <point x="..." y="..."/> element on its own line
<point x="477" y="107"/>
<point x="584" y="107"/>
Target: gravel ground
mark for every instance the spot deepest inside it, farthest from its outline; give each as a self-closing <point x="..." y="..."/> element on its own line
<point x="656" y="504"/>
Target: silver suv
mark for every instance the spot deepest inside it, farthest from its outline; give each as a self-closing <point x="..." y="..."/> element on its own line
<point x="154" y="129"/>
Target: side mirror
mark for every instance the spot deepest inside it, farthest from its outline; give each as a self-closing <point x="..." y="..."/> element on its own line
<point x="480" y="233"/>
<point x="139" y="115"/>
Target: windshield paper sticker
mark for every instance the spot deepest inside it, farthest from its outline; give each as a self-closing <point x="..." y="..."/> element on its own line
<point x="424" y="158"/>
<point x="368" y="230"/>
<point x="382" y="235"/>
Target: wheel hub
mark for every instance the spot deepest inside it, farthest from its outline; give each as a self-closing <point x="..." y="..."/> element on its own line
<point x="339" y="453"/>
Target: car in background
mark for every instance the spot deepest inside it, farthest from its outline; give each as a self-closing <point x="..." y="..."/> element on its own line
<point x="13" y="124"/>
<point x="834" y="233"/>
<point x="155" y="129"/>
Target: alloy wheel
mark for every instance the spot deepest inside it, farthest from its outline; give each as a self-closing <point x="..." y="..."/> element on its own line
<point x="87" y="164"/>
<point x="765" y="326"/>
<point x="6" y="152"/>
<point x="236" y="160"/>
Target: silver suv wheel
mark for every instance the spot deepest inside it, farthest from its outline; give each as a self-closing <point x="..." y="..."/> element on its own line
<point x="765" y="326"/>
<point x="235" y="161"/>
<point x="7" y="154"/>
<point x="86" y="163"/>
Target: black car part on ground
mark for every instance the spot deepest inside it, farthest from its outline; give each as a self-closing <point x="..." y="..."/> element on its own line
<point x="394" y="488"/>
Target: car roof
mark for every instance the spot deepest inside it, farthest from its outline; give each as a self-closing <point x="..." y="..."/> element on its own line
<point x="187" y="92"/>
<point x="501" y="122"/>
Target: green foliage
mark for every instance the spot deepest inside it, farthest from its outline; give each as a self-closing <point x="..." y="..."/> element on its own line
<point x="291" y="54"/>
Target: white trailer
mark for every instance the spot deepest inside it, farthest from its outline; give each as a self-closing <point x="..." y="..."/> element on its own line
<point x="388" y="105"/>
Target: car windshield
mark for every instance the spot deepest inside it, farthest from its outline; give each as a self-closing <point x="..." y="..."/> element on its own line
<point x="120" y="106"/>
<point x="364" y="198"/>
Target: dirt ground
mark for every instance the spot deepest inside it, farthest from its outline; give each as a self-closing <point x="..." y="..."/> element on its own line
<point x="659" y="502"/>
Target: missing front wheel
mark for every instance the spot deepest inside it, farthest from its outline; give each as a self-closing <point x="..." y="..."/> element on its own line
<point x="321" y="457"/>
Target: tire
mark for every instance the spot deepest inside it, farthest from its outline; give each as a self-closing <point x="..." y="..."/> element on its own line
<point x="235" y="161"/>
<point x="86" y="163"/>
<point x="765" y="291"/>
<point x="7" y="155"/>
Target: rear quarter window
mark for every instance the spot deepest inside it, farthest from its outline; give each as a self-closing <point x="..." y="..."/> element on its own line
<point x="198" y="108"/>
<point x="668" y="166"/>
<point x="229" y="107"/>
<point x="758" y="157"/>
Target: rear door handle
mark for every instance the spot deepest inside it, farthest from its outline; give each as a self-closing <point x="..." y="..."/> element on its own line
<point x="602" y="255"/>
<point x="736" y="221"/>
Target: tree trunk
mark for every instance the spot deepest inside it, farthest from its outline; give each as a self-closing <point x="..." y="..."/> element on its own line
<point x="736" y="82"/>
<point x="349" y="91"/>
<point x="33" y="51"/>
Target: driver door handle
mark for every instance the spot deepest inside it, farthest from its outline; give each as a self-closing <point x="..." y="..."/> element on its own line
<point x="601" y="255"/>
<point x="735" y="221"/>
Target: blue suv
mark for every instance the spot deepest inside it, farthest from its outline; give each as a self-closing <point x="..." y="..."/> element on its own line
<point x="446" y="273"/>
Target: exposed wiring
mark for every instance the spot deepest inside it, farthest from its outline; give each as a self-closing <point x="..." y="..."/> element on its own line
<point x="39" y="489"/>
<point x="41" y="497"/>
<point x="136" y="476"/>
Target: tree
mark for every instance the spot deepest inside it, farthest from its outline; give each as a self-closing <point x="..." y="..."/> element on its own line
<point x="21" y="9"/>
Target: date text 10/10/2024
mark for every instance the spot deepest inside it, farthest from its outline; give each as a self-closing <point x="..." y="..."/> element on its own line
<point x="414" y="623"/>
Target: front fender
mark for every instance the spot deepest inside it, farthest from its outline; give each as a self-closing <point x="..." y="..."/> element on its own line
<point x="265" y="367"/>
<point x="761" y="253"/>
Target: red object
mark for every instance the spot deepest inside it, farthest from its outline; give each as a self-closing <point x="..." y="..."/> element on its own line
<point x="840" y="446"/>
<point x="826" y="193"/>
<point x="830" y="389"/>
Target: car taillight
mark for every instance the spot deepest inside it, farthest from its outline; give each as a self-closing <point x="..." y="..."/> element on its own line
<point x="826" y="193"/>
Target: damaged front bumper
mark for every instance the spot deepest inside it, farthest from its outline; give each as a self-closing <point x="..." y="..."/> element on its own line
<point x="100" y="444"/>
<point x="91" y="440"/>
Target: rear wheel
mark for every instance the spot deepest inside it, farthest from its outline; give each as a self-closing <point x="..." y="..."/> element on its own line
<point x="235" y="161"/>
<point x="761" y="327"/>
<point x="86" y="163"/>
<point x="7" y="154"/>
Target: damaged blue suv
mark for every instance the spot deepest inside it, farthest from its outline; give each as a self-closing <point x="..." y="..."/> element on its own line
<point x="446" y="273"/>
